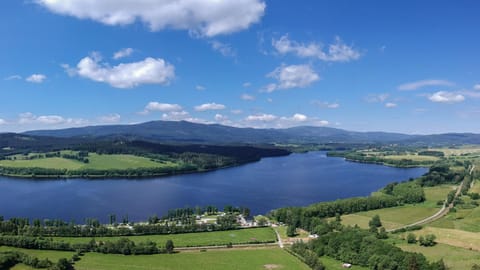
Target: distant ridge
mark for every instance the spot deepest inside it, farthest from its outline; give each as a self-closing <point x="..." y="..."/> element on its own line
<point x="182" y="131"/>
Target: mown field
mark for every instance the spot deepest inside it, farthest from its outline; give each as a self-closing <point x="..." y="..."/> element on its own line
<point x="96" y="161"/>
<point x="238" y="259"/>
<point x="403" y="215"/>
<point x="242" y="236"/>
<point x="454" y="257"/>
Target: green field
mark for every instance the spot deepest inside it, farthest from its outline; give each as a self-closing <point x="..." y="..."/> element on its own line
<point x="193" y="239"/>
<point x="396" y="217"/>
<point x="411" y="157"/>
<point x="103" y="162"/>
<point x="455" y="258"/>
<point x="238" y="259"/>
<point x="52" y="255"/>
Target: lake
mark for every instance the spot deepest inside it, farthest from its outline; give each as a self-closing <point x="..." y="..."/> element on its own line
<point x="295" y="180"/>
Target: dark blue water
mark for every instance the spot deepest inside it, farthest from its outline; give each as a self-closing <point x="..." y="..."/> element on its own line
<point x="295" y="180"/>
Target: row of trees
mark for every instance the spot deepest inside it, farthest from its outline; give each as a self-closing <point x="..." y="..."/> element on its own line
<point x="121" y="246"/>
<point x="11" y="258"/>
<point x="396" y="194"/>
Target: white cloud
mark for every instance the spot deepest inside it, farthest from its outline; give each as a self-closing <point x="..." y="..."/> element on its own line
<point x="13" y="77"/>
<point x="247" y="84"/>
<point x="324" y="104"/>
<point x="220" y="118"/>
<point x="209" y="106"/>
<point x="236" y="111"/>
<point x="123" y="53"/>
<point x="337" y="52"/>
<point x="30" y="118"/>
<point x="200" y="87"/>
<point x="476" y="87"/>
<point x="446" y="97"/>
<point x="201" y="17"/>
<point x="419" y="84"/>
<point x="293" y="76"/>
<point x="161" y="107"/>
<point x="110" y="118"/>
<point x="299" y="117"/>
<point x="125" y="75"/>
<point x="175" y="115"/>
<point x="261" y="117"/>
<point x="390" y="105"/>
<point x="36" y="78"/>
<point x="223" y="48"/>
<point x="247" y="97"/>
<point x="323" y="123"/>
<point x="3" y="121"/>
<point x="374" y="98"/>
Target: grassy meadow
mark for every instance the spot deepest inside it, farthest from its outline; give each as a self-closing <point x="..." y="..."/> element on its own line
<point x="396" y="217"/>
<point x="238" y="259"/>
<point x="96" y="161"/>
<point x="242" y="236"/>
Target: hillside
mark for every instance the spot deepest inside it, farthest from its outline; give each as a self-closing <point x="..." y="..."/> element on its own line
<point x="182" y="131"/>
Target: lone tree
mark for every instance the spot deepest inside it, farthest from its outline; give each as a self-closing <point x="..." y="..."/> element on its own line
<point x="291" y="231"/>
<point x="411" y="238"/>
<point x="374" y="223"/>
<point x="169" y="246"/>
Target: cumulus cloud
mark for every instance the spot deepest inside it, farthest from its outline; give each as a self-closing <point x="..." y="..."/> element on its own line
<point x="123" y="53"/>
<point x="336" y="52"/>
<point x="390" y="105"/>
<point x="298" y="117"/>
<point x="176" y="115"/>
<point x="236" y="111"/>
<point x="293" y="76"/>
<point x="223" y="48"/>
<point x="110" y="118"/>
<point x="125" y="75"/>
<point x="424" y="83"/>
<point x="446" y="97"/>
<point x="161" y="107"/>
<point x="261" y="118"/>
<point x="209" y="107"/>
<point x="247" y="97"/>
<point x="200" y="87"/>
<point x="3" y="121"/>
<point x="476" y="87"/>
<point x="30" y="118"/>
<point x="202" y="17"/>
<point x="13" y="77"/>
<point x="36" y="78"/>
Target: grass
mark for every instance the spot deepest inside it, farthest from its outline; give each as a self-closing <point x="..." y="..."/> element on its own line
<point x="454" y="257"/>
<point x="242" y="236"/>
<point x="238" y="259"/>
<point x="453" y="237"/>
<point x="411" y="157"/>
<point x="463" y="219"/>
<point x="96" y="161"/>
<point x="52" y="255"/>
<point x="332" y="264"/>
<point x="402" y="215"/>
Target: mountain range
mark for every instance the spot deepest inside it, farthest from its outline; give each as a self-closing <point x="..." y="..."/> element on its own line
<point x="188" y="132"/>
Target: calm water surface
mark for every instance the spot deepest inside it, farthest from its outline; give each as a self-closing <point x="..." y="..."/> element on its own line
<point x="295" y="180"/>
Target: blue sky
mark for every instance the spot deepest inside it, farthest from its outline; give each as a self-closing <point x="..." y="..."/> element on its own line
<point x="401" y="66"/>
